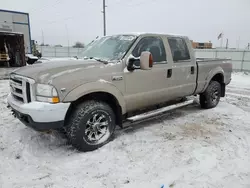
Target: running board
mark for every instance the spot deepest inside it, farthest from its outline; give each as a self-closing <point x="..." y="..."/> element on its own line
<point x="160" y="111"/>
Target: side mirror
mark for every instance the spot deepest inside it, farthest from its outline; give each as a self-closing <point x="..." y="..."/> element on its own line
<point x="145" y="62"/>
<point x="131" y="64"/>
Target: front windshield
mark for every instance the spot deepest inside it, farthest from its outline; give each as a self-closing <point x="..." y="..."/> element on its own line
<point x="109" y="48"/>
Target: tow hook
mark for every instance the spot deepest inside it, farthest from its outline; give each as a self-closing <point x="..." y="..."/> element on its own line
<point x="13" y="113"/>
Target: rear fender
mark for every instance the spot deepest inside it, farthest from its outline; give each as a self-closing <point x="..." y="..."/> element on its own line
<point x="211" y="74"/>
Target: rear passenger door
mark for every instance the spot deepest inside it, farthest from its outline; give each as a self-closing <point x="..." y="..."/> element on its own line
<point x="184" y="67"/>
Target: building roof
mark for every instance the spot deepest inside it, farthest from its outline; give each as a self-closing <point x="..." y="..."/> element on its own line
<point x="16" y="12"/>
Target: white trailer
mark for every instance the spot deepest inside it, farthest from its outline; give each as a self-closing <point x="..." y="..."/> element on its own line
<point x="16" y="22"/>
<point x="13" y="24"/>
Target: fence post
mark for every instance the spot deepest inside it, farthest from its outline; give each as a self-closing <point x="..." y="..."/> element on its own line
<point x="215" y="53"/>
<point x="41" y="49"/>
<point x="55" y="51"/>
<point x="242" y="62"/>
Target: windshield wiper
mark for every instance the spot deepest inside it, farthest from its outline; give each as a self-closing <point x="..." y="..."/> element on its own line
<point x="97" y="59"/>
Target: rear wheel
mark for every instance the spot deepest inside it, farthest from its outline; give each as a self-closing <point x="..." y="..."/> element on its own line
<point x="211" y="96"/>
<point x="91" y="125"/>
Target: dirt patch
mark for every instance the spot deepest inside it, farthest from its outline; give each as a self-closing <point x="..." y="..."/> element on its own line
<point x="168" y="136"/>
<point x="204" y="129"/>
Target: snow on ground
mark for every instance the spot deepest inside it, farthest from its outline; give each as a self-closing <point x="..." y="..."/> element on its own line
<point x="186" y="148"/>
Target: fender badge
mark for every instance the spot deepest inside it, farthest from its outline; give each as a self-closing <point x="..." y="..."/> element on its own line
<point x="63" y="89"/>
<point x="117" y="78"/>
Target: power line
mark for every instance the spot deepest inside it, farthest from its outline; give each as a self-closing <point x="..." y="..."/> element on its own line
<point x="133" y="3"/>
<point x="45" y="6"/>
<point x="104" y="11"/>
<point x="48" y="22"/>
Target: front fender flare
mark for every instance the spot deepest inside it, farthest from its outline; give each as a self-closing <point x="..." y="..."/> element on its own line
<point x="92" y="87"/>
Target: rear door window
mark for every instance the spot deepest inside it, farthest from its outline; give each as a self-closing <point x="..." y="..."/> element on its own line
<point x="179" y="49"/>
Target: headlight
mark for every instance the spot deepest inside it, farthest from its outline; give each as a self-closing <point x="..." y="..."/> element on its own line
<point x="46" y="93"/>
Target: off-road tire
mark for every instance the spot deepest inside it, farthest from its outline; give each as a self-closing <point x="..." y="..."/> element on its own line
<point x="77" y="123"/>
<point x="207" y="100"/>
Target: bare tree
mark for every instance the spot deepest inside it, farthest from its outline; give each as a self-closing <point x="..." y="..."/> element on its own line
<point x="58" y="45"/>
<point x="78" y="45"/>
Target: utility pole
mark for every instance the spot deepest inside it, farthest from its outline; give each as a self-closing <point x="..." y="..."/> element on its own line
<point x="42" y="42"/>
<point x="227" y="44"/>
<point x="67" y="37"/>
<point x="42" y="38"/>
<point x="238" y="43"/>
<point x="104" y="17"/>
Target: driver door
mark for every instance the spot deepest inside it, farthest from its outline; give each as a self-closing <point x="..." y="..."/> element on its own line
<point x="147" y="87"/>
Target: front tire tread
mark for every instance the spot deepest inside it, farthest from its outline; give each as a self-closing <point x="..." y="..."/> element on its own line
<point x="74" y="125"/>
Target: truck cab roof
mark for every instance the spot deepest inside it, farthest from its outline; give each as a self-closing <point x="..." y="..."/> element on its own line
<point x="150" y="33"/>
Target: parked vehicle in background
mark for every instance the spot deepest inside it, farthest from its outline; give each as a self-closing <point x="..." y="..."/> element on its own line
<point x="119" y="77"/>
<point x="4" y="56"/>
<point x="31" y="59"/>
<point x="36" y="54"/>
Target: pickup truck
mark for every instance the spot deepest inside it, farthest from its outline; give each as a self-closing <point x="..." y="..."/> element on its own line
<point x="117" y="78"/>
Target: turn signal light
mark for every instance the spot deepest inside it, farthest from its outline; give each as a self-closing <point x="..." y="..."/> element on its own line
<point x="151" y="60"/>
<point x="55" y="100"/>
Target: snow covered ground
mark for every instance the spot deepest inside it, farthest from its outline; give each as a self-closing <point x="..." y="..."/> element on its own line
<point x="186" y="148"/>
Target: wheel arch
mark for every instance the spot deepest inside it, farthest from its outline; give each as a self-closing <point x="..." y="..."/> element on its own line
<point x="216" y="75"/>
<point x="98" y="91"/>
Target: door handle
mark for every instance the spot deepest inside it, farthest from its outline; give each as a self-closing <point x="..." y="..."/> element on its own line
<point x="169" y="74"/>
<point x="192" y="70"/>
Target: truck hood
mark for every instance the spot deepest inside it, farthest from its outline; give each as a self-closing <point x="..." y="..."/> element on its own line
<point x="46" y="72"/>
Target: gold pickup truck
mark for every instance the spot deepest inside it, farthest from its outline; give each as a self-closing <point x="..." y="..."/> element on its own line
<point x="117" y="79"/>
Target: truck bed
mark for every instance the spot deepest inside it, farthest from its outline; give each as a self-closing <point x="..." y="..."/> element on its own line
<point x="211" y="59"/>
<point x="209" y="67"/>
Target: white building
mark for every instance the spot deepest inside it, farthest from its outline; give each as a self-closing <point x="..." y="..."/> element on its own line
<point x="16" y="22"/>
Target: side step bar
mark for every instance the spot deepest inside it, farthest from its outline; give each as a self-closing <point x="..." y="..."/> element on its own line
<point x="149" y="115"/>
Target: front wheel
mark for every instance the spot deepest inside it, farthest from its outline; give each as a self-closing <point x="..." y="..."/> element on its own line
<point x="211" y="96"/>
<point x="91" y="125"/>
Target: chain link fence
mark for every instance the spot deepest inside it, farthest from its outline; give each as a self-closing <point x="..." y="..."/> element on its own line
<point x="48" y="51"/>
<point x="240" y="58"/>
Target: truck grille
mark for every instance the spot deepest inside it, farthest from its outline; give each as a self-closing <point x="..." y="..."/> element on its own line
<point x="21" y="88"/>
